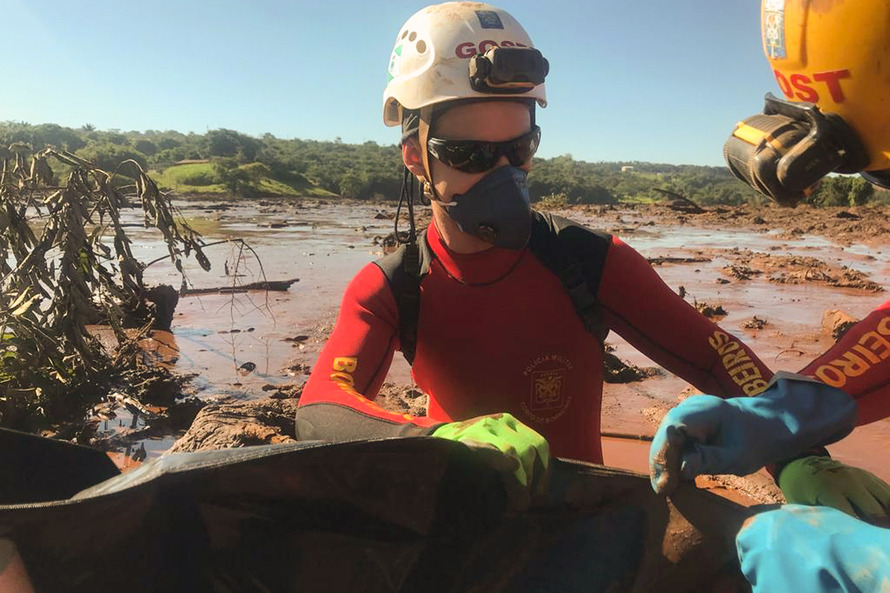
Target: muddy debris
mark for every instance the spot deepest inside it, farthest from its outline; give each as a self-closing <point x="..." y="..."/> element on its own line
<point x="758" y="486"/>
<point x="242" y="424"/>
<point x="848" y="215"/>
<point x="658" y="261"/>
<point x="845" y="279"/>
<point x="679" y="202"/>
<point x="740" y="272"/>
<point x="286" y="391"/>
<point x="868" y="225"/>
<point x="653" y="414"/>
<point x="616" y="370"/>
<point x="403" y="399"/>
<point x="755" y="323"/>
<point x="273" y="285"/>
<point x="837" y="323"/>
<point x="298" y="368"/>
<point x="710" y="310"/>
<point x="794" y="269"/>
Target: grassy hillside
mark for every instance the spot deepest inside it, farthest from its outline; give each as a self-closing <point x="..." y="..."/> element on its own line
<point x="205" y="178"/>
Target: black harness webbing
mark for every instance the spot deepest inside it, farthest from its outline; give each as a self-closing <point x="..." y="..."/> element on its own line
<point x="574" y="253"/>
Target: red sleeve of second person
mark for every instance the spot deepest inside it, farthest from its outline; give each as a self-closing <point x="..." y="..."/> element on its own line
<point x="859" y="365"/>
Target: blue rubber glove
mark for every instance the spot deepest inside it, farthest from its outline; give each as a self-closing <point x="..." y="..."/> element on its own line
<point x="709" y="435"/>
<point x="813" y="549"/>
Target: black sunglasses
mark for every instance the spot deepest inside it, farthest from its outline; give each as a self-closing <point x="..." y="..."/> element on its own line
<point x="476" y="156"/>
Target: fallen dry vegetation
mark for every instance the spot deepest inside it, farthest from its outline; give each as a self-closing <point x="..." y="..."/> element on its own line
<point x="66" y="263"/>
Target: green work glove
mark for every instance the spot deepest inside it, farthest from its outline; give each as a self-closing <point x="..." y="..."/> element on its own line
<point x="520" y="454"/>
<point x="822" y="481"/>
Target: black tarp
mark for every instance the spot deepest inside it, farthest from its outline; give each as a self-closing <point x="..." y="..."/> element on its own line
<point x="391" y="515"/>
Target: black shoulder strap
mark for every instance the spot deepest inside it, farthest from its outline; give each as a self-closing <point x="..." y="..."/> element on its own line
<point x="574" y="253"/>
<point x="577" y="255"/>
<point x="404" y="269"/>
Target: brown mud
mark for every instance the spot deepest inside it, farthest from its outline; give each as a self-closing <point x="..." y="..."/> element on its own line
<point x="773" y="272"/>
<point x="225" y="426"/>
<point x="844" y="226"/>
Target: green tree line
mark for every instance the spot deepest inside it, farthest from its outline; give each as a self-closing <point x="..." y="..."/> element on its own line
<point x="372" y="171"/>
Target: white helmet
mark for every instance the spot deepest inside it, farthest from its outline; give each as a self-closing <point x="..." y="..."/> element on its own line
<point x="452" y="51"/>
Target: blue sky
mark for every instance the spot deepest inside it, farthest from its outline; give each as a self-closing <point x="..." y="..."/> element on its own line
<point x="648" y="80"/>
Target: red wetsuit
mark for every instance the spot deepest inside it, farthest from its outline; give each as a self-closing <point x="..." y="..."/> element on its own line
<point x="858" y="364"/>
<point x="497" y="332"/>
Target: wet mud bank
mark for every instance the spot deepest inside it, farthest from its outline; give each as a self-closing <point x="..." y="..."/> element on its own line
<point x="766" y="275"/>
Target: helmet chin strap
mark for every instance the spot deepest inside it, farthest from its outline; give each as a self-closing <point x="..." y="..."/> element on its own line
<point x="423" y="135"/>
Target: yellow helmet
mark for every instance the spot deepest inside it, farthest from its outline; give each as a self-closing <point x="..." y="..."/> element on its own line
<point x="831" y="59"/>
<point x="835" y="54"/>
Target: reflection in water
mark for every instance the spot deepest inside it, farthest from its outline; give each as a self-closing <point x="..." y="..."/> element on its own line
<point x="160" y="349"/>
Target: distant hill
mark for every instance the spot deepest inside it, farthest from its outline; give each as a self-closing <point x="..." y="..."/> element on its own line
<point x="228" y="162"/>
<point x="206" y="178"/>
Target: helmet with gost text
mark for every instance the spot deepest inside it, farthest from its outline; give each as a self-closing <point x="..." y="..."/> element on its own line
<point x="831" y="60"/>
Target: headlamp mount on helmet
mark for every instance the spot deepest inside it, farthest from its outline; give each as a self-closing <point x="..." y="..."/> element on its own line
<point x="785" y="151"/>
<point x="508" y="70"/>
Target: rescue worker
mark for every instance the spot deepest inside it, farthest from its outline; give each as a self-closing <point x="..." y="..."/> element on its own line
<point x="502" y="311"/>
<point x="835" y="119"/>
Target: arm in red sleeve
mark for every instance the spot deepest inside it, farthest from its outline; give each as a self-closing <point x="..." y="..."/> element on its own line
<point x="337" y="402"/>
<point x="859" y="365"/>
<point x="655" y="320"/>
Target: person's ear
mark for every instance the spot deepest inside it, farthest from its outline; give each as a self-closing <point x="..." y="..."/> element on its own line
<point x="412" y="158"/>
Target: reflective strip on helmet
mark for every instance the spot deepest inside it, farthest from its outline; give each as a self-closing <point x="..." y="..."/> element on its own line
<point x="755" y="136"/>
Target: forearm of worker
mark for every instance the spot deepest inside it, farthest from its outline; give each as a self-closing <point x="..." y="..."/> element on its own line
<point x="337" y="402"/>
<point x="641" y="308"/>
<point x="860" y="365"/>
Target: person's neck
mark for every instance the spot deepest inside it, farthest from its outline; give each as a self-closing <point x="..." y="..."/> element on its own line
<point x="455" y="239"/>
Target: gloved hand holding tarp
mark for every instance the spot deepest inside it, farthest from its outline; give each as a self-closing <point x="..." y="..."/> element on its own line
<point x="801" y="548"/>
<point x="821" y="481"/>
<point x="709" y="435"/>
<point x="520" y="454"/>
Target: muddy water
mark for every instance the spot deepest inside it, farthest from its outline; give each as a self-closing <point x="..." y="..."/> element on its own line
<point x="239" y="344"/>
<point x="278" y="335"/>
<point x="791" y="338"/>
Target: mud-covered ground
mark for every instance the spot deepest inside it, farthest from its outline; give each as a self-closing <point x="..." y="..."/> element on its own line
<point x="845" y="226"/>
<point x="767" y="275"/>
